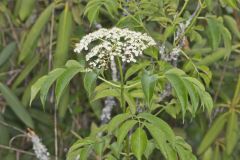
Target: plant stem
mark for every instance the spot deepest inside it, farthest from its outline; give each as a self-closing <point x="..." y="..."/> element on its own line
<point x="108" y="82"/>
<point x="183" y="8"/>
<point x="122" y="85"/>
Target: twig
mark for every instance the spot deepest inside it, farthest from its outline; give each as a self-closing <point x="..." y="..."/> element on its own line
<point x="52" y="93"/>
<point x="13" y="127"/>
<point x="17" y="150"/>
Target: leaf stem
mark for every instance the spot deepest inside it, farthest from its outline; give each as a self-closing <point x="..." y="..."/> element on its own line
<point x="122" y="85"/>
<point x="108" y="82"/>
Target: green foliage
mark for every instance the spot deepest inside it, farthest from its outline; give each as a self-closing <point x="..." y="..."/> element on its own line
<point x="32" y="37"/>
<point x="16" y="105"/>
<point x="179" y="101"/>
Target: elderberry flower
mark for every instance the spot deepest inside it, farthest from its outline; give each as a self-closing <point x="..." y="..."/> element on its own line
<point x="110" y="43"/>
<point x="40" y="149"/>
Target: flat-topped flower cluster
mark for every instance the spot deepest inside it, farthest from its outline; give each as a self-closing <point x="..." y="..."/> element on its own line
<point x="110" y="43"/>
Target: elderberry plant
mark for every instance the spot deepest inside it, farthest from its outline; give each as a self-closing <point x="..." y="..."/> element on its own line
<point x="139" y="67"/>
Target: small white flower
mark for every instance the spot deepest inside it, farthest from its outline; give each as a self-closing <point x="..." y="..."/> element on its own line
<point x="40" y="149"/>
<point x="114" y="42"/>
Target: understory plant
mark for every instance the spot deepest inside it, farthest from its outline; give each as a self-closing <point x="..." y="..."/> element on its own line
<point x="141" y="78"/>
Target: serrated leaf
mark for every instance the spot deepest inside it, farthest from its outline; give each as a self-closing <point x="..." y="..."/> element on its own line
<point x="193" y="94"/>
<point x="163" y="126"/>
<point x="16" y="106"/>
<point x="76" y="149"/>
<point x="131" y="102"/>
<point x="148" y="85"/>
<point x="195" y="82"/>
<point x="138" y="142"/>
<point x="50" y="79"/>
<point x="180" y="90"/>
<point x="159" y="137"/>
<point x="106" y="93"/>
<point x="124" y="129"/>
<point x="64" y="80"/>
<point x="135" y="68"/>
<point x="90" y="82"/>
<point x="207" y="101"/>
<point x="117" y="120"/>
<point x="213" y="32"/>
<point x="36" y="87"/>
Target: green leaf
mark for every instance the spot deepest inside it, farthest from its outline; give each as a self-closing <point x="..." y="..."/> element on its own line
<point x="209" y="4"/>
<point x="236" y="96"/>
<point x="232" y="3"/>
<point x="148" y="85"/>
<point x="7" y="53"/>
<point x="156" y="134"/>
<point x="124" y="129"/>
<point x="16" y="106"/>
<point x="213" y="32"/>
<point x="131" y="102"/>
<point x="169" y="31"/>
<point x="25" y="72"/>
<point x="74" y="63"/>
<point x="232" y="133"/>
<point x="64" y="80"/>
<point x="51" y="77"/>
<point x="193" y="94"/>
<point x="139" y="142"/>
<point x="94" y="6"/>
<point x="89" y="82"/>
<point x="216" y="154"/>
<point x="195" y="82"/>
<point x="208" y="154"/>
<point x="149" y="149"/>
<point x="232" y="25"/>
<point x="4" y="134"/>
<point x="175" y="71"/>
<point x="214" y="57"/>
<point x="76" y="149"/>
<point x="227" y="39"/>
<point x="36" y="87"/>
<point x="117" y="120"/>
<point x="162" y="125"/>
<point x="180" y="90"/>
<point x="106" y="93"/>
<point x="207" y="101"/>
<point x="26" y="8"/>
<point x="135" y="68"/>
<point x="63" y="37"/>
<point x="184" y="153"/>
<point x="33" y="36"/>
<point x="213" y="132"/>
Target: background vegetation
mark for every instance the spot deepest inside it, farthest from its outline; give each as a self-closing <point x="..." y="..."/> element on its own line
<point x="37" y="36"/>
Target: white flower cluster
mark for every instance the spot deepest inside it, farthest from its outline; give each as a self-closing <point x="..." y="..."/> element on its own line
<point x="40" y="149"/>
<point x="114" y="42"/>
